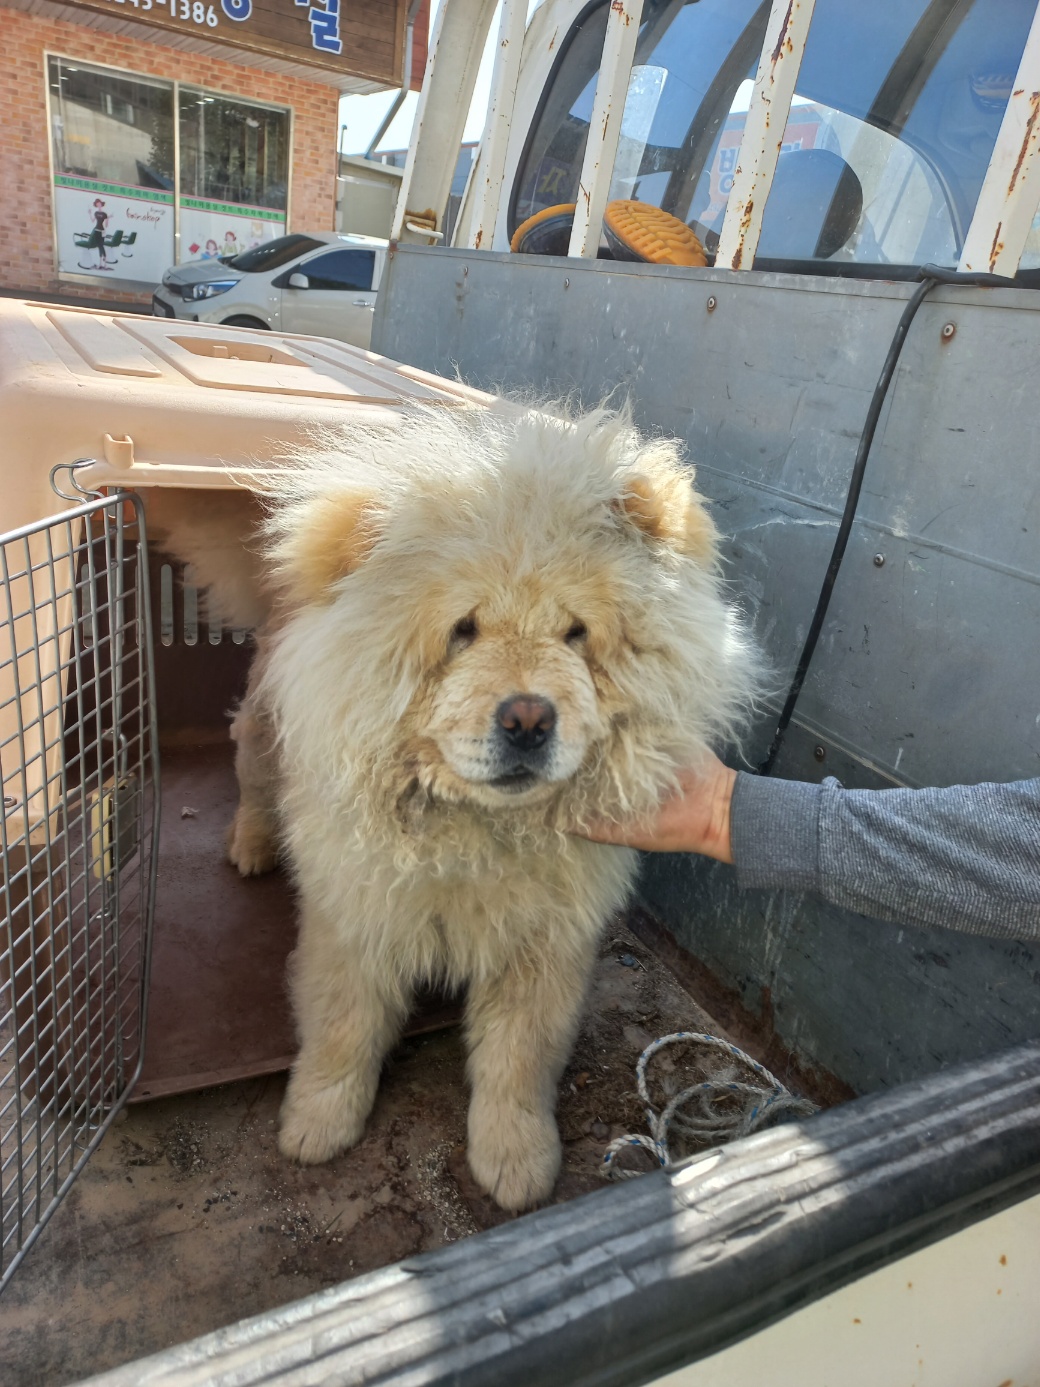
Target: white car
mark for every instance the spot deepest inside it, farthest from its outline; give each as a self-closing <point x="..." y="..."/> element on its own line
<point x="320" y="283"/>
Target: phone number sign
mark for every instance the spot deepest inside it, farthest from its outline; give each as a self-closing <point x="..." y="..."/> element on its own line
<point x="349" y="36"/>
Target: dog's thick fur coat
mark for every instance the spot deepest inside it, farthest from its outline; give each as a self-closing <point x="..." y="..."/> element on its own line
<point x="486" y="627"/>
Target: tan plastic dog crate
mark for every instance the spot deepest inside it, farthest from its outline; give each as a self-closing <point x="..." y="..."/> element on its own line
<point x="98" y="409"/>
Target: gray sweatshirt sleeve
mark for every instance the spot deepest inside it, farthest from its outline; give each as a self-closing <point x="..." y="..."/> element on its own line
<point x="966" y="857"/>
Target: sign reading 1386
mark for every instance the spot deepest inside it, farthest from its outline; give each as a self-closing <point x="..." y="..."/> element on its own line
<point x="348" y="36"/>
<point x="190" y="11"/>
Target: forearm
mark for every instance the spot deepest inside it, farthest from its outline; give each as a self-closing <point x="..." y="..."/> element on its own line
<point x="966" y="858"/>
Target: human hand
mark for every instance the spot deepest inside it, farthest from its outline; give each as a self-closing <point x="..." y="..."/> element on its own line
<point x="695" y="819"/>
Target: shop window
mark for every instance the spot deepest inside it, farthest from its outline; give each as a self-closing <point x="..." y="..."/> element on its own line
<point x="111" y="127"/>
<point x="113" y="158"/>
<point x="341" y="269"/>
<point x="234" y="174"/>
<point x="119" y="195"/>
<point x="891" y="130"/>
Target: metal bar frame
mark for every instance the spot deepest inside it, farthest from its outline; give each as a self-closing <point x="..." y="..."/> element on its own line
<point x="778" y="67"/>
<point x="477" y="229"/>
<point x="608" y="108"/>
<point x="74" y="853"/>
<point x="456" y="48"/>
<point x="1010" y="191"/>
<point x="999" y="227"/>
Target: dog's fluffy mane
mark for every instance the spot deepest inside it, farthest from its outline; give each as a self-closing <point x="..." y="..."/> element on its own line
<point x="477" y="629"/>
<point x="375" y="535"/>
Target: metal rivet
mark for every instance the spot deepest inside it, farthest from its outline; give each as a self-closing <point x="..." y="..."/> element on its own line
<point x="465" y="271"/>
<point x="947" y="331"/>
<point x="879" y="560"/>
<point x="566" y="284"/>
<point x="712" y="303"/>
<point x="820" y="753"/>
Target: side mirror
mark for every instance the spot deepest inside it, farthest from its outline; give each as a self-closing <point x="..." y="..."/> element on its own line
<point x="299" y="281"/>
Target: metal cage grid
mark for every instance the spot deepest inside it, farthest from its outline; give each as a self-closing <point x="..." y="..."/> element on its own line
<point x="78" y="835"/>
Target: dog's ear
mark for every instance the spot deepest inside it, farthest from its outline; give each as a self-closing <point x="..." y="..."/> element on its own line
<point x="335" y="537"/>
<point x="659" y="499"/>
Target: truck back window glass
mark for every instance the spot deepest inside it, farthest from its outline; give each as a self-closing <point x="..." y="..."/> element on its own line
<point x="894" y="119"/>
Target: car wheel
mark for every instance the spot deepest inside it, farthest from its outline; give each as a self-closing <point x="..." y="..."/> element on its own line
<point x="244" y="320"/>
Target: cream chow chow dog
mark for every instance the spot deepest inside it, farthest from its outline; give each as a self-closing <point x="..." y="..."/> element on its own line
<point x="485" y="627"/>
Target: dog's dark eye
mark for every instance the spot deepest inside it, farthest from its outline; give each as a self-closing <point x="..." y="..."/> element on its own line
<point x="577" y="633"/>
<point x="464" y="632"/>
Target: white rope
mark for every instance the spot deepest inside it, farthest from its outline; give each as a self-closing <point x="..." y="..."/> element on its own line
<point x="708" y="1113"/>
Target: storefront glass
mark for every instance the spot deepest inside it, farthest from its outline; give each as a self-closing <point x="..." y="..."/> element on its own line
<point x="234" y="176"/>
<point x="112" y="140"/>
<point x="119" y="196"/>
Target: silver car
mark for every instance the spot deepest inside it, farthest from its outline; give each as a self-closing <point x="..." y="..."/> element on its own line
<point x="321" y="283"/>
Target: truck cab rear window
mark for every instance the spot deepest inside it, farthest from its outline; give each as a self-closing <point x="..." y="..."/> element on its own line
<point x="893" y="123"/>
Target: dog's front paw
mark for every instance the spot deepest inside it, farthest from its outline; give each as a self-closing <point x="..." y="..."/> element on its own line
<point x="251" y="844"/>
<point x="319" y="1122"/>
<point x="514" y="1154"/>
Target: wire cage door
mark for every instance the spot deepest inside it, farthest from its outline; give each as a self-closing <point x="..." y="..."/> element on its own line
<point x="78" y="831"/>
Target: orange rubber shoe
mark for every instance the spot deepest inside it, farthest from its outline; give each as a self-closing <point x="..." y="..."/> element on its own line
<point x="548" y="232"/>
<point x="640" y="231"/>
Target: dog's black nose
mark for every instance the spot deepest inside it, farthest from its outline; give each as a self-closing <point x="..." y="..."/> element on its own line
<point x="526" y="721"/>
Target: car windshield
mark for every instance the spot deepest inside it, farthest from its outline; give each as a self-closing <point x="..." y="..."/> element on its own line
<point x="273" y="254"/>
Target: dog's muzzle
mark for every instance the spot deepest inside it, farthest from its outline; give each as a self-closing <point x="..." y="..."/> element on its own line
<point x="525" y="726"/>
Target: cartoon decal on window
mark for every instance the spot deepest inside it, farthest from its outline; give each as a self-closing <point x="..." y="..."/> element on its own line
<point x="100" y="239"/>
<point x="95" y="238"/>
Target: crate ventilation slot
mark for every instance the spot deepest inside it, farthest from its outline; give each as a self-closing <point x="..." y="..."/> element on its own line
<point x="199" y="621"/>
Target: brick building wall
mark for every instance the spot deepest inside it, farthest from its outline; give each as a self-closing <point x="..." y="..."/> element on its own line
<point x="26" y="247"/>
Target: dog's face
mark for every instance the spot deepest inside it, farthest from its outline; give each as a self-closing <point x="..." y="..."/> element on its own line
<point x="518" y="625"/>
<point x="513" y="708"/>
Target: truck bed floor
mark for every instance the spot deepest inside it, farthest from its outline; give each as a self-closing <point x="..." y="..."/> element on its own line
<point x="188" y="1218"/>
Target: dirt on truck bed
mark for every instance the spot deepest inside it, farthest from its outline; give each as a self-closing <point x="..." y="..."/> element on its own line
<point x="188" y="1218"/>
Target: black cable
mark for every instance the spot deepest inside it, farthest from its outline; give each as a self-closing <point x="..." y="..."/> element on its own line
<point x="930" y="276"/>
